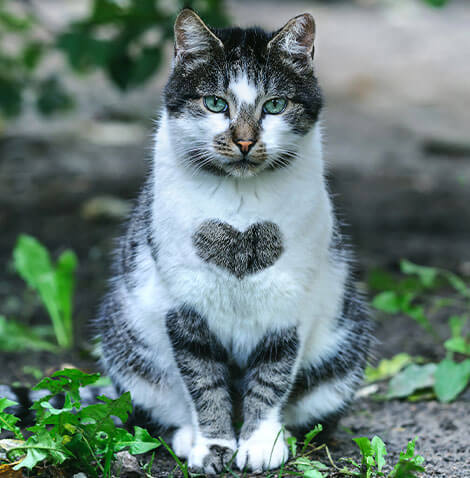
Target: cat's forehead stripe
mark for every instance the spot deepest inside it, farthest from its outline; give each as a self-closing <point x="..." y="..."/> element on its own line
<point x="243" y="89"/>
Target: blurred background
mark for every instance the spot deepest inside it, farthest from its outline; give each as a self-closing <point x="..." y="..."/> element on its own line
<point x="80" y="91"/>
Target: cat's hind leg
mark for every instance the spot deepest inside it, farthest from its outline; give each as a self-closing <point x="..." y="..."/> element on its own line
<point x="325" y="385"/>
<point x="158" y="398"/>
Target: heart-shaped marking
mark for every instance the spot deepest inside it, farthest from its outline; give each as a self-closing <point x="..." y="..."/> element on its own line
<point x="241" y="253"/>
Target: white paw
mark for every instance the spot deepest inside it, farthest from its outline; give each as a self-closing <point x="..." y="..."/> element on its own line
<point x="264" y="450"/>
<point x="182" y="441"/>
<point x="210" y="456"/>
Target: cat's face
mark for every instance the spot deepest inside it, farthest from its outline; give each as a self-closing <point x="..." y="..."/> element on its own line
<point x="238" y="100"/>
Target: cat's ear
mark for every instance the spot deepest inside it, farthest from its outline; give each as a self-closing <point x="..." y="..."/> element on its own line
<point x="193" y="39"/>
<point x="296" y="37"/>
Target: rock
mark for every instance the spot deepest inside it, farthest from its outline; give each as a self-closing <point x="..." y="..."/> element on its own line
<point x="127" y="466"/>
<point x="105" y="208"/>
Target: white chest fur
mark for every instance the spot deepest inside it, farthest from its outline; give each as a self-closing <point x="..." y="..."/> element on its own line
<point x="240" y="310"/>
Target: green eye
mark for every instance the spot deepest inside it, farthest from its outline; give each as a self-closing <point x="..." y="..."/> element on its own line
<point x="275" y="106"/>
<point x="215" y="104"/>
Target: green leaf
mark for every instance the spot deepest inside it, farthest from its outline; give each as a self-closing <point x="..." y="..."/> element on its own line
<point x="141" y="442"/>
<point x="33" y="263"/>
<point x="436" y="3"/>
<point x="451" y="379"/>
<point x="16" y="337"/>
<point x="7" y="420"/>
<point x="388" y="368"/>
<point x="456" y="324"/>
<point x="387" y="301"/>
<point x="409" y="463"/>
<point x="41" y="447"/>
<point x="68" y="380"/>
<point x="379" y="279"/>
<point x="457" y="283"/>
<point x="147" y="63"/>
<point x="292" y="444"/>
<point x="379" y="449"/>
<point x="313" y="474"/>
<point x="305" y="464"/>
<point x="13" y="22"/>
<point x="119" y="407"/>
<point x="458" y="344"/>
<point x="427" y="275"/>
<point x="416" y="312"/>
<point x="106" y="11"/>
<point x="311" y="435"/>
<point x="32" y="54"/>
<point x="67" y="407"/>
<point x="83" y="51"/>
<point x="412" y="378"/>
<point x="365" y="446"/>
<point x="407" y="469"/>
<point x="11" y="96"/>
<point x="52" y="96"/>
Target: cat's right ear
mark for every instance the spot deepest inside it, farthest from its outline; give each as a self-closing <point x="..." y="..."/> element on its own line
<point x="193" y="38"/>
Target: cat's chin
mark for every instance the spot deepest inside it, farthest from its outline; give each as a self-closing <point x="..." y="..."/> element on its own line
<point x="242" y="168"/>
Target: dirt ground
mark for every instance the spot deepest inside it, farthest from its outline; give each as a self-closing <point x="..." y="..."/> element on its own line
<point x="396" y="139"/>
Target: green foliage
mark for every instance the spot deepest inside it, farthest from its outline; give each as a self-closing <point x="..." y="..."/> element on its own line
<point x="54" y="284"/>
<point x="373" y="460"/>
<point x="126" y="40"/>
<point x="387" y="368"/>
<point x="373" y="454"/>
<point x="436" y="3"/>
<point x="412" y="378"/>
<point x="409" y="463"/>
<point x="133" y="51"/>
<point x="16" y="337"/>
<point x="86" y="438"/>
<point x="310" y="468"/>
<point x="451" y="378"/>
<point x="8" y="421"/>
<point x="415" y="297"/>
<point x="18" y="66"/>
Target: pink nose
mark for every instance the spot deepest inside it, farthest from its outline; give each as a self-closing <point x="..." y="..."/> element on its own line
<point x="245" y="145"/>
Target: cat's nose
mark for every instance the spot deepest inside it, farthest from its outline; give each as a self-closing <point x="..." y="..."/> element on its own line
<point x="245" y="144"/>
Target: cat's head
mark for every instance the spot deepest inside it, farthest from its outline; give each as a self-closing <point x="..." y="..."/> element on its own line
<point x="238" y="99"/>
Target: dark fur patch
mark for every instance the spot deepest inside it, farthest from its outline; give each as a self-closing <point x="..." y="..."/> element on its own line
<point x="269" y="376"/>
<point x="240" y="253"/>
<point x="203" y="364"/>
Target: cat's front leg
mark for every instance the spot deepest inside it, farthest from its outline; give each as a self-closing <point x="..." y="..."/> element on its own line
<point x="269" y="378"/>
<point x="202" y="363"/>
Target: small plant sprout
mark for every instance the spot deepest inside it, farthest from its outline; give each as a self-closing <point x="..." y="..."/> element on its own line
<point x="54" y="283"/>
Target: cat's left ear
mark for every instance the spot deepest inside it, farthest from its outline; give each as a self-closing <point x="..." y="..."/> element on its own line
<point x="193" y="38"/>
<point x="296" y="37"/>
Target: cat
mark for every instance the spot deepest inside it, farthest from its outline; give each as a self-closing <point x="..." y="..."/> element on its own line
<point x="232" y="291"/>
